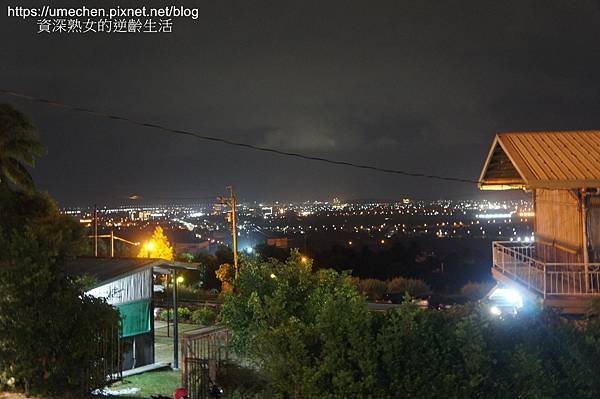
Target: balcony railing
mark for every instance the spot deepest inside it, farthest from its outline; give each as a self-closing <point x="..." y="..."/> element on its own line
<point x="517" y="261"/>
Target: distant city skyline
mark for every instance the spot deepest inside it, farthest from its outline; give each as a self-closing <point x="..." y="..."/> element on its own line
<point x="142" y="201"/>
<point x="319" y="223"/>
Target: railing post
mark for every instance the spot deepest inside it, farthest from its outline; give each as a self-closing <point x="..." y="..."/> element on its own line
<point x="514" y="256"/>
<point x="545" y="280"/>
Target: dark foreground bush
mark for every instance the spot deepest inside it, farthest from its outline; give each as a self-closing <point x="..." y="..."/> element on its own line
<point x="311" y="335"/>
<point x="51" y="334"/>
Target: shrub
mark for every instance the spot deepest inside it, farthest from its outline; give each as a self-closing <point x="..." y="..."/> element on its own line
<point x="204" y="316"/>
<point x="183" y="293"/>
<point x="373" y="288"/>
<point x="475" y="291"/>
<point x="413" y="287"/>
<point x="242" y="382"/>
<point x="312" y="336"/>
<point x="308" y="332"/>
<point x="183" y="313"/>
<point x="50" y="332"/>
<point x="376" y="289"/>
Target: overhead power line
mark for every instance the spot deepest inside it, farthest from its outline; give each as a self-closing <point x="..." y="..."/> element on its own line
<point x="231" y="142"/>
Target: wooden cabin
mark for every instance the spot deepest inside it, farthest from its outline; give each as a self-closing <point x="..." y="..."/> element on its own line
<point x="562" y="172"/>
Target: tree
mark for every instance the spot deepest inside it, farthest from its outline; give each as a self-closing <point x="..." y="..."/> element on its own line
<point x="157" y="247"/>
<point x="226" y="274"/>
<point x="19" y="146"/>
<point x="265" y="251"/>
<point x="311" y="335"/>
<point x="308" y="332"/>
<point x="50" y="331"/>
<point x="209" y="265"/>
<point x="37" y="214"/>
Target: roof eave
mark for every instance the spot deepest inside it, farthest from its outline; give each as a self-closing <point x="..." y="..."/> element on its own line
<point x="501" y="187"/>
<point x="564" y="184"/>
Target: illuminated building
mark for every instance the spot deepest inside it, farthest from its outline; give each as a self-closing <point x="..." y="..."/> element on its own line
<point x="561" y="267"/>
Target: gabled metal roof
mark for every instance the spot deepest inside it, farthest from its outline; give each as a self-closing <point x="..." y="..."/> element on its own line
<point x="554" y="160"/>
<point x="106" y="270"/>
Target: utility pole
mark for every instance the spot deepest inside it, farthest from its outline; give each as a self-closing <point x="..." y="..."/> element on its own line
<point x="95" y="230"/>
<point x="231" y="202"/>
<point x="113" y="237"/>
<point x="112" y="243"/>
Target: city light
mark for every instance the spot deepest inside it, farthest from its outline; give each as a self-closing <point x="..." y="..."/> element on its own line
<point x="355" y="224"/>
<point x="493" y="215"/>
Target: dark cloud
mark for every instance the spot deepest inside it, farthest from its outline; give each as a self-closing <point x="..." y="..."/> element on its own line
<point x="421" y="86"/>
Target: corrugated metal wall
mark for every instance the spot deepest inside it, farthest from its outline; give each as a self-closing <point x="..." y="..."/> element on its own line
<point x="558" y="229"/>
<point x="128" y="289"/>
<point x="133" y="293"/>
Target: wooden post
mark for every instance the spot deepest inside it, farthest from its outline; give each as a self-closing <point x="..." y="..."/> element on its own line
<point x="584" y="240"/>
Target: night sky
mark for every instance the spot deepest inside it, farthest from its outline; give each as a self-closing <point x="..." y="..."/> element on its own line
<point x="421" y="86"/>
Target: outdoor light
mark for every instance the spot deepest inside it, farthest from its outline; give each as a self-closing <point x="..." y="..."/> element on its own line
<point x="149" y="247"/>
<point x="514" y="297"/>
<point x="505" y="301"/>
<point x="180" y="279"/>
<point x="249" y="250"/>
<point x="304" y="259"/>
<point x="273" y="275"/>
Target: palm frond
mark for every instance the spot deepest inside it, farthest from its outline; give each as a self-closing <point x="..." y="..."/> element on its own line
<point x="17" y="174"/>
<point x="19" y="146"/>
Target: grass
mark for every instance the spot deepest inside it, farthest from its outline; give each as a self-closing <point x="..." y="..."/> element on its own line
<point x="161" y="382"/>
<point x="163" y="345"/>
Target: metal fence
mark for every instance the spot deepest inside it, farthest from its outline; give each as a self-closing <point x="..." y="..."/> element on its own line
<point x="108" y="366"/>
<point x="203" y="352"/>
<point x="518" y="261"/>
